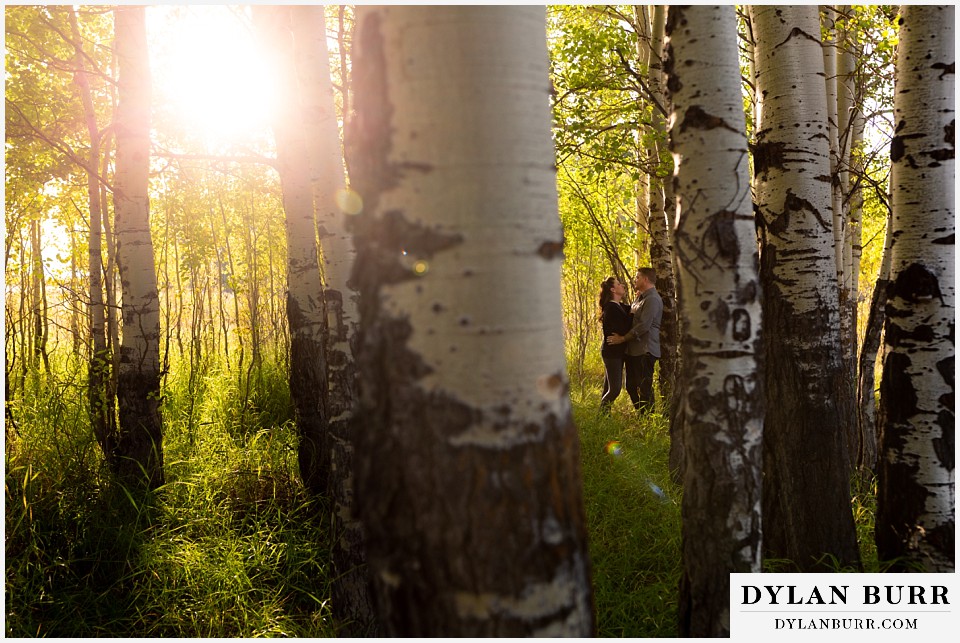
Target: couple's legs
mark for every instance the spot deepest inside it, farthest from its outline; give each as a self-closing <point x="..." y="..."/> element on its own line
<point x="612" y="381"/>
<point x="640" y="380"/>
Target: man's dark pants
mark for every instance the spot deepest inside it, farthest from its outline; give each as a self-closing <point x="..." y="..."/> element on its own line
<point x="640" y="380"/>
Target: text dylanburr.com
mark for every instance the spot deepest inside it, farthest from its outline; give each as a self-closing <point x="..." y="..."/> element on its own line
<point x="852" y="606"/>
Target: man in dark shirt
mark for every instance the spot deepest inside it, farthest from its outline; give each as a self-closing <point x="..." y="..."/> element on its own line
<point x="643" y="348"/>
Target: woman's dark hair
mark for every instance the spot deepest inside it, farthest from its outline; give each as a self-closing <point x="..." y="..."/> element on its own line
<point x="606" y="294"/>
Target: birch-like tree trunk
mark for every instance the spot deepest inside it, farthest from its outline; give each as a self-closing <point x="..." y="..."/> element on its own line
<point x="101" y="404"/>
<point x="864" y="436"/>
<point x="468" y="479"/>
<point x="848" y="115"/>
<point x="718" y="297"/>
<point x="915" y="494"/>
<point x="867" y="361"/>
<point x="661" y="253"/>
<point x="140" y="452"/>
<point x="38" y="301"/>
<point x="642" y="196"/>
<point x="352" y="602"/>
<point x="806" y="506"/>
<point x="305" y="311"/>
<point x="830" y="76"/>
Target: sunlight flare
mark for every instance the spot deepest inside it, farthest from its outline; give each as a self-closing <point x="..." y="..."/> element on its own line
<point x="210" y="75"/>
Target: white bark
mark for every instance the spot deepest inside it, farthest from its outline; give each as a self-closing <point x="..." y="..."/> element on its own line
<point x="793" y="182"/>
<point x="465" y="409"/>
<point x="916" y="493"/>
<point x="139" y="367"/>
<point x="853" y="248"/>
<point x="801" y="297"/>
<point x="830" y="71"/>
<point x="719" y="301"/>
<point x="141" y="310"/>
<point x="846" y="95"/>
<point x="852" y="122"/>
<point x="642" y="19"/>
<point x="492" y="185"/>
<point x="661" y="252"/>
<point x="332" y="202"/>
<point x="305" y="310"/>
<point x="352" y="604"/>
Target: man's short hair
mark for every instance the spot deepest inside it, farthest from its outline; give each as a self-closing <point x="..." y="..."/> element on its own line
<point x="649" y="273"/>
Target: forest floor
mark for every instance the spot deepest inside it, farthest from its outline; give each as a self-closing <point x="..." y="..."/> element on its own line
<point x="232" y="546"/>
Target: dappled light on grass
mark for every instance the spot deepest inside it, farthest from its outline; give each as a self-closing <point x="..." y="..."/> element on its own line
<point x="229" y="546"/>
<point x="232" y="546"/>
<point x="634" y="534"/>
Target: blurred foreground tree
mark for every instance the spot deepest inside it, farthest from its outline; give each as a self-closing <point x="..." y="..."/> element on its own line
<point x="468" y="480"/>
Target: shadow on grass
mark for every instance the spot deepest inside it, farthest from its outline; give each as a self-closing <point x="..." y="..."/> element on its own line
<point x="71" y="548"/>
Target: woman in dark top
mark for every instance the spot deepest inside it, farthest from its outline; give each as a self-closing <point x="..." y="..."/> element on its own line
<point x="616" y="318"/>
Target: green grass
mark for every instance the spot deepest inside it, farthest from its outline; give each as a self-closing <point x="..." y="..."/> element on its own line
<point x="232" y="546"/>
<point x="229" y="546"/>
<point x="634" y="532"/>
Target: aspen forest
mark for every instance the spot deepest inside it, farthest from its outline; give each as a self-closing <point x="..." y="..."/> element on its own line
<point x="302" y="317"/>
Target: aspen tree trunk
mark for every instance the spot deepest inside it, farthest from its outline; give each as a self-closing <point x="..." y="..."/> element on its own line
<point x="830" y="75"/>
<point x="305" y="311"/>
<point x="111" y="279"/>
<point x="342" y="31"/>
<point x="719" y="300"/>
<point x="468" y="479"/>
<point x="100" y="395"/>
<point x="676" y="458"/>
<point x="38" y="308"/>
<point x="76" y="287"/>
<point x="806" y="505"/>
<point x="138" y="392"/>
<point x="865" y="454"/>
<point x="867" y="361"/>
<point x="853" y="241"/>
<point x="661" y="253"/>
<point x="642" y="18"/>
<point x="915" y="494"/>
<point x="846" y="98"/>
<point x="848" y="109"/>
<point x="352" y="601"/>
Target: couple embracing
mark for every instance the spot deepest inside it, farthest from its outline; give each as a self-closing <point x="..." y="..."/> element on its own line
<point x="631" y="338"/>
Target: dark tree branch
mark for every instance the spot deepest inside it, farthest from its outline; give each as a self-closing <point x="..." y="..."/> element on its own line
<point x="637" y="77"/>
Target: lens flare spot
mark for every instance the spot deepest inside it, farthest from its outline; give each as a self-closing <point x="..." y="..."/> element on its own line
<point x="614" y="448"/>
<point x="420" y="267"/>
<point x="349" y="201"/>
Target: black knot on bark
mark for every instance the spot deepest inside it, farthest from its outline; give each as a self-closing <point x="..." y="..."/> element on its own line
<point x="916" y="284"/>
<point x="768" y="156"/>
<point x="550" y="249"/>
<point x="697" y="118"/>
